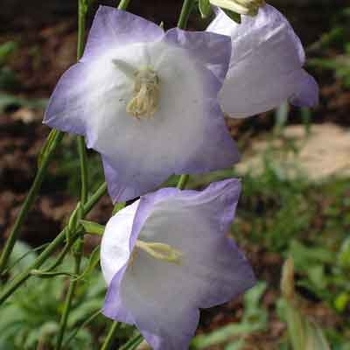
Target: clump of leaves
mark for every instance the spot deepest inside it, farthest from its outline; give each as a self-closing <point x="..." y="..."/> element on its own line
<point x="30" y="319"/>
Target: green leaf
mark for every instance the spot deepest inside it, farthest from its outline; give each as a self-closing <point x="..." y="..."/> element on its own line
<point x="341" y="302"/>
<point x="204" y="8"/>
<point x="236" y="17"/>
<point x="117" y="207"/>
<point x="296" y="326"/>
<point x="315" y="339"/>
<point x="344" y="255"/>
<point x="93" y="227"/>
<point x="6" y="50"/>
<point x="223" y="335"/>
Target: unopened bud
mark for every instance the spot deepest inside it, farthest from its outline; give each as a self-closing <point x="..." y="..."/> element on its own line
<point x="287" y="281"/>
<point x="243" y="7"/>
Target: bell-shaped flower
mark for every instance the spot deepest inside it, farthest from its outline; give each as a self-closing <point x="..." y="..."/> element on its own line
<point x="266" y="64"/>
<point x="167" y="255"/>
<point x="146" y="100"/>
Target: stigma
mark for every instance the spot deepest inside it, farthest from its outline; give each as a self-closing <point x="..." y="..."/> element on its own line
<point x="145" y="99"/>
<point x="159" y="251"/>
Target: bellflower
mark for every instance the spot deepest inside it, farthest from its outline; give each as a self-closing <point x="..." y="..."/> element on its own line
<point x="266" y="64"/>
<point x="167" y="255"/>
<point x="146" y="100"/>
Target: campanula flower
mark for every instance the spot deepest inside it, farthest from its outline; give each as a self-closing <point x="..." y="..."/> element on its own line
<point x="146" y="100"/>
<point x="167" y="255"/>
<point x="266" y="64"/>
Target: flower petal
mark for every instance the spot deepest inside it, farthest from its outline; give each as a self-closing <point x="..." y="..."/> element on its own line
<point x="186" y="134"/>
<point x="265" y="68"/>
<point x="116" y="246"/>
<point x="164" y="303"/>
<point x="64" y="110"/>
<point x="211" y="50"/>
<point x="118" y="241"/>
<point x="113" y="28"/>
<point x="307" y="94"/>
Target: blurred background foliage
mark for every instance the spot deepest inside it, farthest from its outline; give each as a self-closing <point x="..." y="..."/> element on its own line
<point x="295" y="202"/>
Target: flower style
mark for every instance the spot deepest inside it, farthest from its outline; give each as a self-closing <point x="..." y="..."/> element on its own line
<point x="266" y="64"/>
<point x="167" y="255"/>
<point x="146" y="100"/>
<point x="243" y="7"/>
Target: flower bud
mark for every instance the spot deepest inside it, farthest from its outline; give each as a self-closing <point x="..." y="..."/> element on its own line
<point x="243" y="7"/>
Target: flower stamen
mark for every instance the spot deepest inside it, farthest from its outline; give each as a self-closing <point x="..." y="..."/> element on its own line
<point x="159" y="251"/>
<point x="144" y="102"/>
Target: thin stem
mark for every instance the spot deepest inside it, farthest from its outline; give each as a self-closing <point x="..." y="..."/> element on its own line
<point x="50" y="249"/>
<point x="84" y="324"/>
<point x="70" y="294"/>
<point x="123" y="4"/>
<point x="183" y="181"/>
<point x="60" y="257"/>
<point x="185" y="13"/>
<point x="83" y="169"/>
<point x="182" y="23"/>
<point x="57" y="137"/>
<point x="110" y="336"/>
<point x="132" y="343"/>
<point x="82" y="11"/>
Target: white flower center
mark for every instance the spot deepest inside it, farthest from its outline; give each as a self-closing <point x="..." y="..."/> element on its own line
<point x="144" y="102"/>
<point x="243" y="7"/>
<point x="159" y="251"/>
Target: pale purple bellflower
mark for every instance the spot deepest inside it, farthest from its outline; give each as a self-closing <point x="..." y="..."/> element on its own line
<point x="167" y="255"/>
<point x="266" y="64"/>
<point x="146" y="100"/>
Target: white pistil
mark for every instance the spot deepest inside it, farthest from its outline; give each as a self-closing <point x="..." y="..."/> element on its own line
<point x="159" y="251"/>
<point x="144" y="102"/>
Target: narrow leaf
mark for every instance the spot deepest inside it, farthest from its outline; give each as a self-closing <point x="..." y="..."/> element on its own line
<point x="93" y="227"/>
<point x="204" y="8"/>
<point x="43" y="274"/>
<point x="133" y="343"/>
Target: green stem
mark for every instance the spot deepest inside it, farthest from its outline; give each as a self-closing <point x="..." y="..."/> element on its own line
<point x="182" y="23"/>
<point x="123" y="4"/>
<point x="56" y="139"/>
<point x="70" y="294"/>
<point x="60" y="257"/>
<point x="132" y="343"/>
<point x="110" y="336"/>
<point x="77" y="329"/>
<point x="83" y="169"/>
<point x="50" y="249"/>
<point x="183" y="181"/>
<point x="185" y="13"/>
<point x="82" y="11"/>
